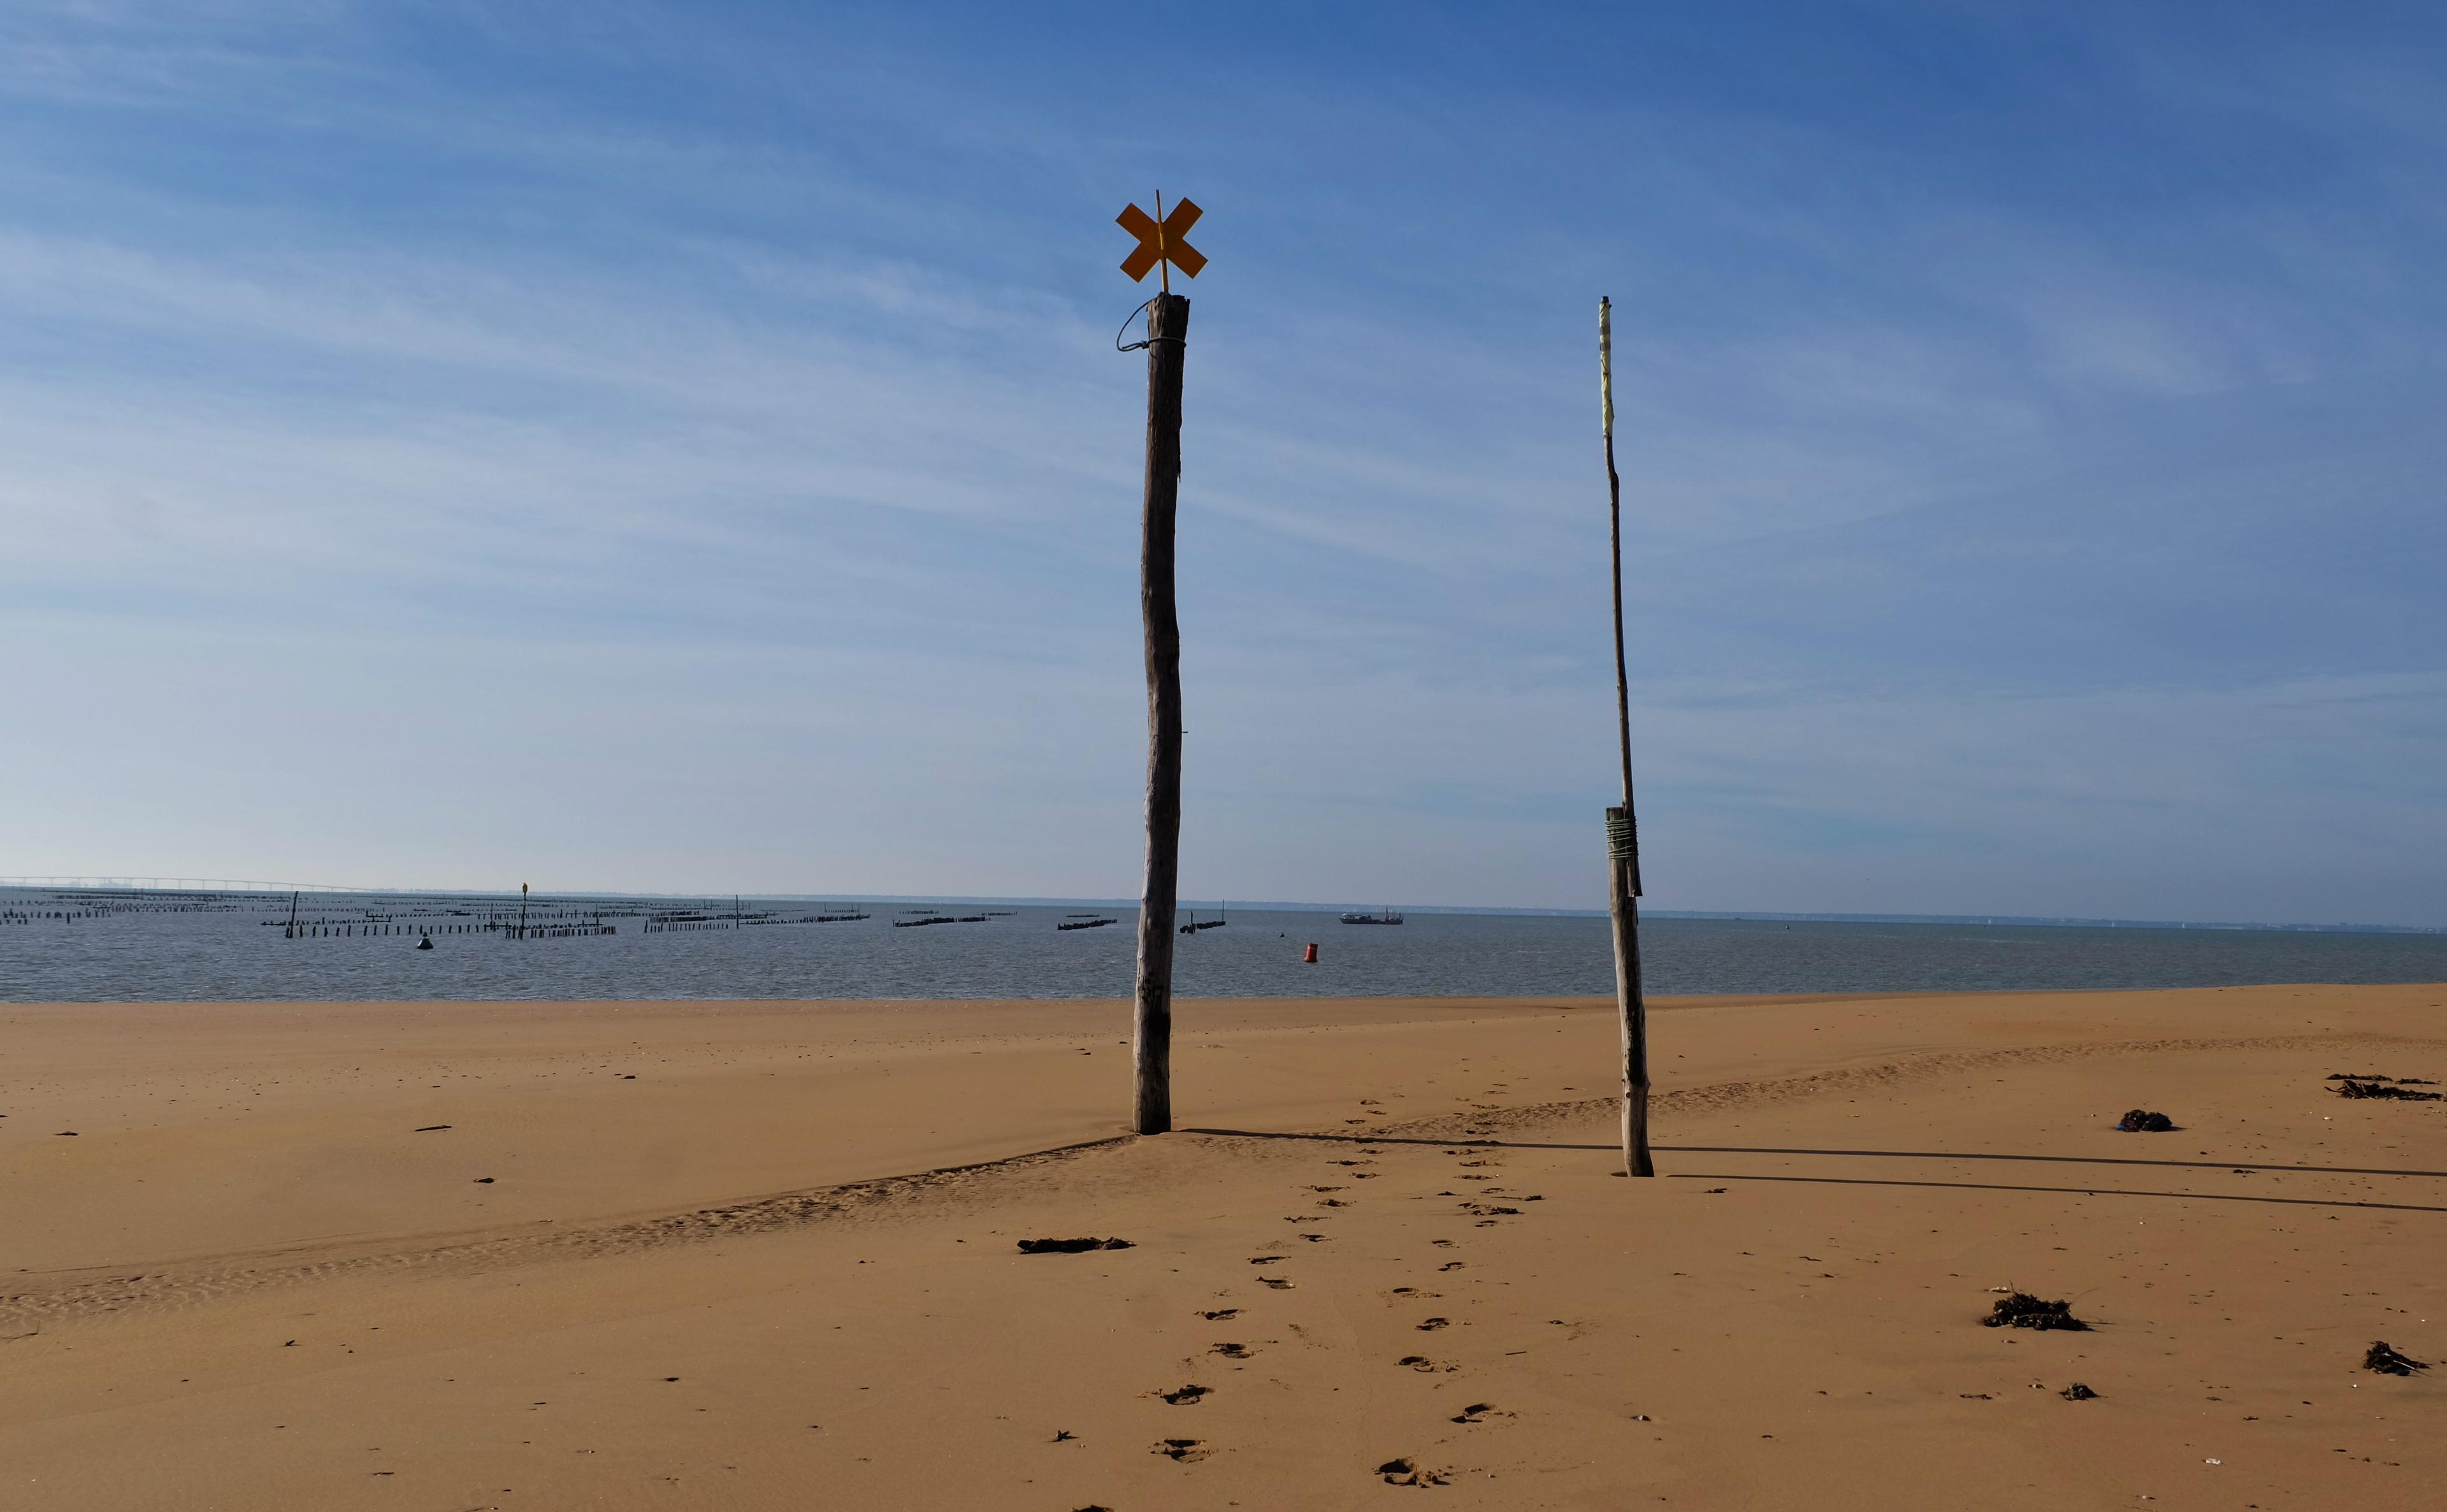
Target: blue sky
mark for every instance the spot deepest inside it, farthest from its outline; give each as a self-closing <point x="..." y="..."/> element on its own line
<point x="630" y="445"/>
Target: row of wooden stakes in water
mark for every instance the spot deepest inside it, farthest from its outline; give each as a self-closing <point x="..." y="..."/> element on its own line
<point x="663" y="925"/>
<point x="27" y="916"/>
<point x="508" y="931"/>
<point x="493" y="918"/>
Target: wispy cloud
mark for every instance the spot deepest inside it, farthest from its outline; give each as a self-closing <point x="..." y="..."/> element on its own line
<point x="2026" y="449"/>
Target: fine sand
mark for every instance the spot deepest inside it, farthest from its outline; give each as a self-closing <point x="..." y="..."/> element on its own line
<point x="445" y="1257"/>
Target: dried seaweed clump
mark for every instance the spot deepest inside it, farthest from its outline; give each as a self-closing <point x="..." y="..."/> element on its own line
<point x="2387" y="1362"/>
<point x="2379" y="1086"/>
<point x="2024" y="1311"/>
<point x="2140" y="1121"/>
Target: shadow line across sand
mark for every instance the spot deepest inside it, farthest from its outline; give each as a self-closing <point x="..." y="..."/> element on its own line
<point x="1482" y="1141"/>
<point x="2069" y="1191"/>
<point x="2064" y="1160"/>
<point x="1475" y="1141"/>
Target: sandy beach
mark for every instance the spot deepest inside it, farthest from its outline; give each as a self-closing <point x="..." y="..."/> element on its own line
<point x="444" y="1256"/>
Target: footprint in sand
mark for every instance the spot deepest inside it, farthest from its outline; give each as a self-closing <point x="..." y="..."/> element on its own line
<point x="1425" y="1366"/>
<point x="1264" y="1260"/>
<point x="1402" y="1472"/>
<point x="1433" y="1324"/>
<point x="1442" y="1244"/>
<point x="1188" y="1451"/>
<point x="1325" y="1189"/>
<point x="1231" y="1351"/>
<point x="1333" y="1201"/>
<point x="1478" y="1412"/>
<point x="1314" y="1239"/>
<point x="1221" y="1313"/>
<point x="1453" y="1265"/>
<point x="1275" y="1281"/>
<point x="1186" y="1396"/>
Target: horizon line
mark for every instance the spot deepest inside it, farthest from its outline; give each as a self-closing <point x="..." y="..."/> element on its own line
<point x="224" y="885"/>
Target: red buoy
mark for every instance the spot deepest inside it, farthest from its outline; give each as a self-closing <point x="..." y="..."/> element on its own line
<point x="1310" y="959"/>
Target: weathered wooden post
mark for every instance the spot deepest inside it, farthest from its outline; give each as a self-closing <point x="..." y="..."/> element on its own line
<point x="1168" y="328"/>
<point x="522" y="911"/>
<point x="1622" y="833"/>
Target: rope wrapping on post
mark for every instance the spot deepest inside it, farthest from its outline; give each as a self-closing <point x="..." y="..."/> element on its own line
<point x="1622" y="842"/>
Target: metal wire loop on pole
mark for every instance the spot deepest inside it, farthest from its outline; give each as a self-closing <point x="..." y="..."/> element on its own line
<point x="1141" y="346"/>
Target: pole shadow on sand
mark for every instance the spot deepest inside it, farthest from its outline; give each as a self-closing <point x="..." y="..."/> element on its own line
<point x="1483" y="1142"/>
<point x="2069" y="1191"/>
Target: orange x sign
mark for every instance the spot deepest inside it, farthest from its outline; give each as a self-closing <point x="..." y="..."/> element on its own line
<point x="1161" y="242"/>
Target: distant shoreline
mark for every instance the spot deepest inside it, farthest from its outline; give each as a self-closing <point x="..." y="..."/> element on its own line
<point x="200" y="886"/>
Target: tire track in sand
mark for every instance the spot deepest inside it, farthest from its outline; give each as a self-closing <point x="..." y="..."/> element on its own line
<point x="191" y="1283"/>
<point x="1927" y="1066"/>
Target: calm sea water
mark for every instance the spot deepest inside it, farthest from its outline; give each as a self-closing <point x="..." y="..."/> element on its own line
<point x="235" y="947"/>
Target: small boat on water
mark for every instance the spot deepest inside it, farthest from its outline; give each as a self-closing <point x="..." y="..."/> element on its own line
<point x="1389" y="916"/>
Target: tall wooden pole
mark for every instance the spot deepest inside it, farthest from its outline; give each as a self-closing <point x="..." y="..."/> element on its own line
<point x="1168" y="326"/>
<point x="1622" y="833"/>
